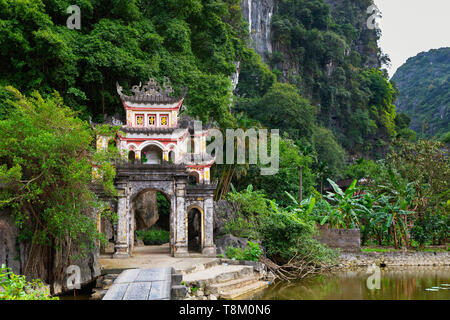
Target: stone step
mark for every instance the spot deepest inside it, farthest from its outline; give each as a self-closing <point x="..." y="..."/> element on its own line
<point x="217" y="274"/>
<point x="218" y="288"/>
<point x="199" y="267"/>
<point x="235" y="293"/>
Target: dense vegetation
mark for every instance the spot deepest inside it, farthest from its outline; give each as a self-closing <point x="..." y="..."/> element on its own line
<point x="46" y="173"/>
<point x="424" y="96"/>
<point x="328" y="53"/>
<point x="403" y="203"/>
<point x="16" y="287"/>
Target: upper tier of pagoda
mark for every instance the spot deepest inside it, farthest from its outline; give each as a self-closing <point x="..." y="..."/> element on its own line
<point x="152" y="93"/>
<point x="152" y="106"/>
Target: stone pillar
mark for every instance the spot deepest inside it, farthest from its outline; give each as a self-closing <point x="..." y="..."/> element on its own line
<point x="137" y="155"/>
<point x="181" y="240"/>
<point x="121" y="247"/>
<point x="208" y="244"/>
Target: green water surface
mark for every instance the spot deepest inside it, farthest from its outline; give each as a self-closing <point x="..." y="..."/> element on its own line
<point x="410" y="283"/>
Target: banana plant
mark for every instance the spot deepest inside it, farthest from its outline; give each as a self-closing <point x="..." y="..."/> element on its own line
<point x="394" y="214"/>
<point x="305" y="208"/>
<point x="344" y="204"/>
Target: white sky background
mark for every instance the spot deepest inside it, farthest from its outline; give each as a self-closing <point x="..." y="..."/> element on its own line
<point x="413" y="26"/>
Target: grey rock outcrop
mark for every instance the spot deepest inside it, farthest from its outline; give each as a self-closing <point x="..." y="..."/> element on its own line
<point x="34" y="261"/>
<point x="258" y="14"/>
<point x="146" y="210"/>
<point x="230" y="241"/>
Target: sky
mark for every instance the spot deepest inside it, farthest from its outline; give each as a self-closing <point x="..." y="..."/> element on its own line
<point x="412" y="26"/>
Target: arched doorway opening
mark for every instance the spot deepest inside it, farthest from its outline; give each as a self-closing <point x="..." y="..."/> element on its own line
<point x="151" y="215"/>
<point x="194" y="230"/>
<point x="131" y="156"/>
<point x="171" y="157"/>
<point x="152" y="155"/>
<point x="193" y="178"/>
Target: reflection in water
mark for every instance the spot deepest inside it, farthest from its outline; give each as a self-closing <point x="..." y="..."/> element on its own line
<point x="408" y="283"/>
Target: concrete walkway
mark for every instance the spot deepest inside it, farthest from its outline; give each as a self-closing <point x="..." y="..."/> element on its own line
<point x="141" y="284"/>
<point x="148" y="257"/>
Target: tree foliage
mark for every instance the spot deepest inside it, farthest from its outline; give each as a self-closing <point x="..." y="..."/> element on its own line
<point x="46" y="171"/>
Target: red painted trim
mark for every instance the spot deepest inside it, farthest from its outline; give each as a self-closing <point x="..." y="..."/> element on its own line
<point x="202" y="166"/>
<point x="152" y="109"/>
<point x="147" y="139"/>
<point x="127" y="107"/>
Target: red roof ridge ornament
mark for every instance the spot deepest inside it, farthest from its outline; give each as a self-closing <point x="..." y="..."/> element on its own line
<point x="151" y="92"/>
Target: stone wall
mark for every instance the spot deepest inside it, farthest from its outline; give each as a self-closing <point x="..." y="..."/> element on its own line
<point x="394" y="259"/>
<point x="348" y="240"/>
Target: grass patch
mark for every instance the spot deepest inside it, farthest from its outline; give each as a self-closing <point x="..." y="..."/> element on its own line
<point x="153" y="236"/>
<point x="379" y="250"/>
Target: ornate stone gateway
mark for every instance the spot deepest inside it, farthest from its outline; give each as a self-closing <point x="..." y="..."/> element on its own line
<point x="172" y="180"/>
<point x="159" y="147"/>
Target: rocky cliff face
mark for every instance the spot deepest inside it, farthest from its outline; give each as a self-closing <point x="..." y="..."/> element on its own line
<point x="258" y="14"/>
<point x="366" y="40"/>
<point x="424" y="91"/>
<point x="40" y="262"/>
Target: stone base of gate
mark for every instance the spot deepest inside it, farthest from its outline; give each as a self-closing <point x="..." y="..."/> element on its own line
<point x="209" y="251"/>
<point x="180" y="251"/>
<point x="121" y="251"/>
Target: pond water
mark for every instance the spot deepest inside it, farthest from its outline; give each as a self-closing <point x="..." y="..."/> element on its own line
<point x="406" y="283"/>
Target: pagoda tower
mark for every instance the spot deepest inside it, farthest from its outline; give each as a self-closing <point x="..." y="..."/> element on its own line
<point x="155" y="133"/>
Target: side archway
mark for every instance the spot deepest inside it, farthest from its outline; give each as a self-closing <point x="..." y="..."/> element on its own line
<point x="195" y="228"/>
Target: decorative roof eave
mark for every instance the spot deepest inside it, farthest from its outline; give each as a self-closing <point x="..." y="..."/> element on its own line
<point x="151" y="93"/>
<point x="148" y="130"/>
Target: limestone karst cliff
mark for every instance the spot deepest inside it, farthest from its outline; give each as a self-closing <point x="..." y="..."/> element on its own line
<point x="258" y="14"/>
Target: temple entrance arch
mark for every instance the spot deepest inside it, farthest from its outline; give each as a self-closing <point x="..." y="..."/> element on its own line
<point x="151" y="210"/>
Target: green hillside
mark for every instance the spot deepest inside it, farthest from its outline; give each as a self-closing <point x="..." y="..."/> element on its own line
<point x="424" y="87"/>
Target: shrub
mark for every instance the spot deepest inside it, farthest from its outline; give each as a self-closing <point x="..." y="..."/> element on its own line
<point x="153" y="236"/>
<point x="243" y="227"/>
<point x="252" y="253"/>
<point x="252" y="205"/>
<point x="15" y="287"/>
<point x="287" y="236"/>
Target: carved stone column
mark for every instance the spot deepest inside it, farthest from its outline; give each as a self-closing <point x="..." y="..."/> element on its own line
<point x="121" y="247"/>
<point x="208" y="245"/>
<point x="181" y="240"/>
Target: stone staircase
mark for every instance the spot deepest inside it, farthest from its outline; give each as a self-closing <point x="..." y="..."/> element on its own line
<point x="223" y="280"/>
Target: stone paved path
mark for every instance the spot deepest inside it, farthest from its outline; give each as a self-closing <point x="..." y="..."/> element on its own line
<point x="141" y="284"/>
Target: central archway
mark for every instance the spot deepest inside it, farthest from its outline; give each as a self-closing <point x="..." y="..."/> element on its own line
<point x="151" y="216"/>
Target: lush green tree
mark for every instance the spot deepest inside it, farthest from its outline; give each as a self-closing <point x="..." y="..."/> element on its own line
<point x="194" y="43"/>
<point x="287" y="179"/>
<point x="329" y="151"/>
<point x="46" y="171"/>
<point x="283" y="108"/>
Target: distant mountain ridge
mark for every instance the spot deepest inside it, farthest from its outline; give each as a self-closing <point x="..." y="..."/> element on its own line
<point x="424" y="87"/>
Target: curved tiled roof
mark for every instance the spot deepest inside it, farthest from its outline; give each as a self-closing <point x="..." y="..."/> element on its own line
<point x="151" y="93"/>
